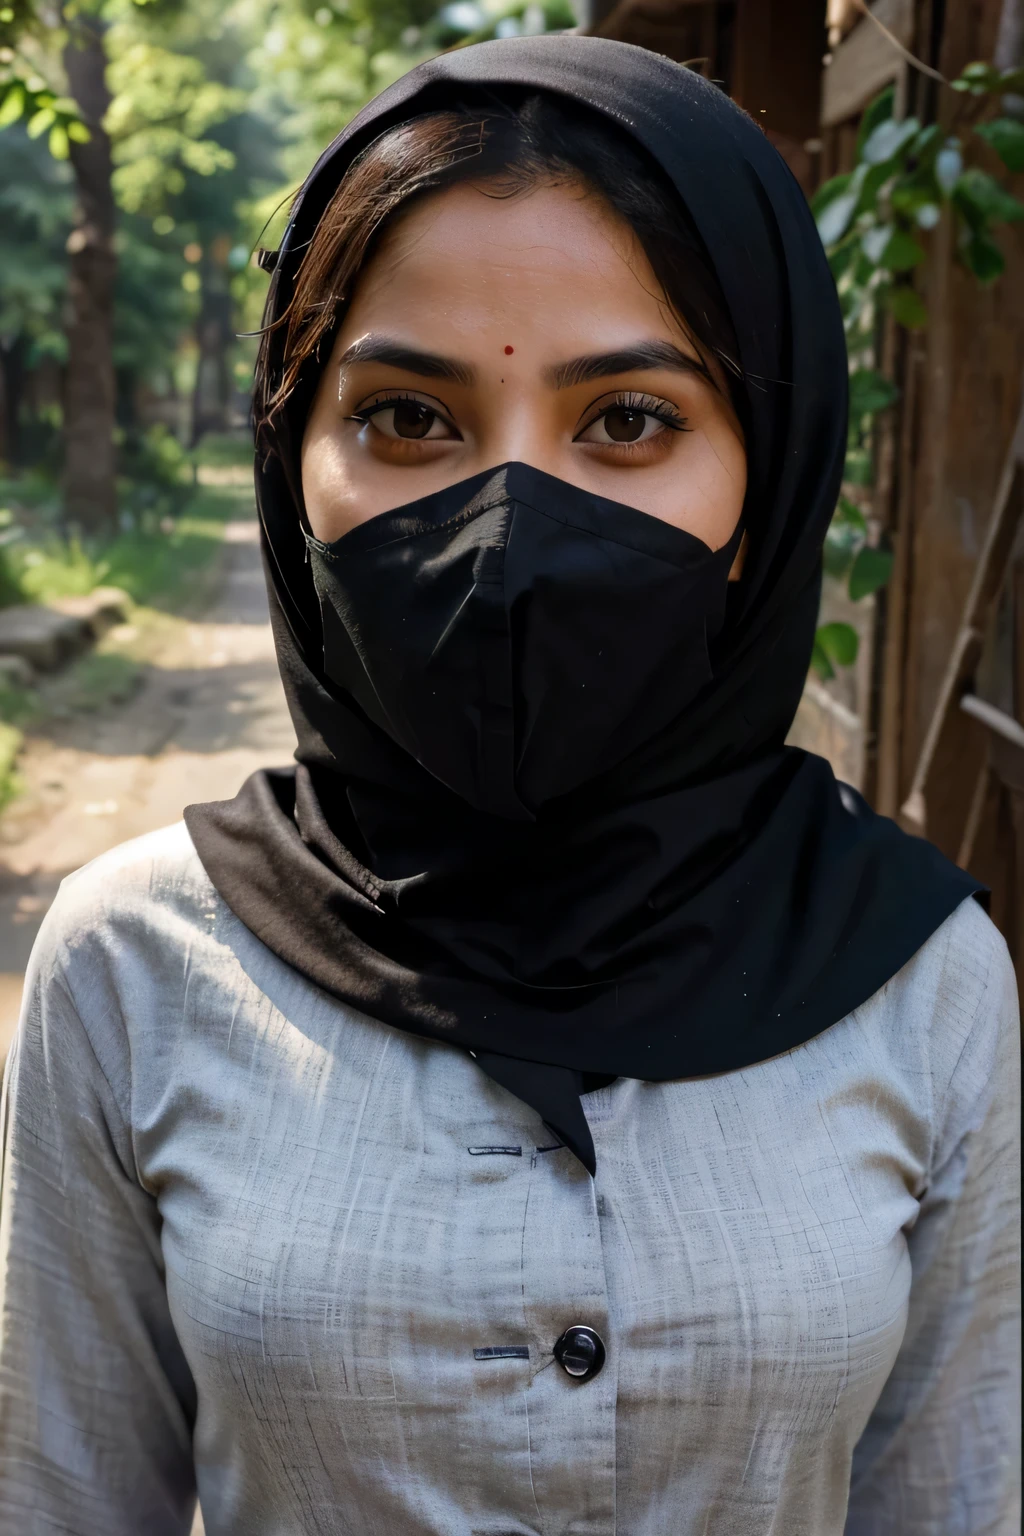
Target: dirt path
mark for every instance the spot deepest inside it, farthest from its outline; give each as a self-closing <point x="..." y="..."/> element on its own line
<point x="209" y="710"/>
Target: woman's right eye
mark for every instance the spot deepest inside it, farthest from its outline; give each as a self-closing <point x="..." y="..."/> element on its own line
<point x="408" y="420"/>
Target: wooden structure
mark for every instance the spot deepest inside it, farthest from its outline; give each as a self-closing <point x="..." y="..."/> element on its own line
<point x="940" y="695"/>
<point x="975" y="731"/>
<point x="930" y="725"/>
<point x="765" y="53"/>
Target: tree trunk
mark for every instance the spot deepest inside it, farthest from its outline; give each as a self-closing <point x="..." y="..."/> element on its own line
<point x="90" y="496"/>
<point x="211" y="398"/>
<point x="12" y="382"/>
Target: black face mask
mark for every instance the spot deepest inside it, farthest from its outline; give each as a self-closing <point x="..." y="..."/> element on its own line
<point x="519" y="636"/>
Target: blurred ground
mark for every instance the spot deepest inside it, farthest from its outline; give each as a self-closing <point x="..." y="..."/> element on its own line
<point x="189" y="707"/>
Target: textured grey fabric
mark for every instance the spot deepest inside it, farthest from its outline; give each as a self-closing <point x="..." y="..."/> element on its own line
<point x="246" y="1229"/>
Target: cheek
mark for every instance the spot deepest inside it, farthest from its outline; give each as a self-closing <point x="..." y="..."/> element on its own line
<point x="325" y="478"/>
<point x="722" y="468"/>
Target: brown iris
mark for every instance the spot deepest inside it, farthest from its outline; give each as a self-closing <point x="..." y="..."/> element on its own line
<point x="624" y="425"/>
<point x="412" y="419"/>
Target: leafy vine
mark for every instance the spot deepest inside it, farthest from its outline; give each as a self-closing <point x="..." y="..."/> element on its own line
<point x="874" y="222"/>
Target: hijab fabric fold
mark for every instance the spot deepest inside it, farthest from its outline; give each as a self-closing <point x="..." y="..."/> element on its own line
<point x="706" y="897"/>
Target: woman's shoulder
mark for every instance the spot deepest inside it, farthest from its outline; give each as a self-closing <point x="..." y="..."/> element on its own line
<point x="150" y="888"/>
<point x="951" y="1015"/>
<point x="962" y="961"/>
<point x="111" y="965"/>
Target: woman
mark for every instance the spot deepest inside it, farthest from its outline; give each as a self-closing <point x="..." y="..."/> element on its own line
<point x="553" y="1106"/>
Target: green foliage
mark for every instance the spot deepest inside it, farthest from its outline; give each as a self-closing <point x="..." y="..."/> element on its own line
<point x="466" y="21"/>
<point x="43" y="112"/>
<point x="57" y="568"/>
<point x="981" y="79"/>
<point x="159" y="120"/>
<point x="874" y="223"/>
<point x="835" y="645"/>
<point x="154" y="561"/>
<point x="10" y="744"/>
<point x="1006" y="136"/>
<point x="846" y="535"/>
<point x="35" y="213"/>
<point x="848" y="554"/>
<point x="871" y="569"/>
<point x="908" y="307"/>
<point x="870" y="392"/>
<point x="871" y="219"/>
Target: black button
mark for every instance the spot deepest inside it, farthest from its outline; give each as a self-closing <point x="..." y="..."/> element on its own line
<point x="580" y="1352"/>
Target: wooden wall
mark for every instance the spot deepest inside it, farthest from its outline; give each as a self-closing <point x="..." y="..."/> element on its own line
<point x="962" y="380"/>
<point x="805" y="69"/>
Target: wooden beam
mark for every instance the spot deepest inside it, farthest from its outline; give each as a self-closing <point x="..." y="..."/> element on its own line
<point x="945" y="729"/>
<point x="865" y="61"/>
<point x="776" y="67"/>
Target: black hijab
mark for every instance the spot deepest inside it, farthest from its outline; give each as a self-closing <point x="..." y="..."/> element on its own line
<point x="711" y="898"/>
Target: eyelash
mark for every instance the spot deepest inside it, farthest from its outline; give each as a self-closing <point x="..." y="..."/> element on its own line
<point x="366" y="412"/>
<point x="649" y="405"/>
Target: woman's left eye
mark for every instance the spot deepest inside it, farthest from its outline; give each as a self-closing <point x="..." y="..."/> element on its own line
<point x="628" y="424"/>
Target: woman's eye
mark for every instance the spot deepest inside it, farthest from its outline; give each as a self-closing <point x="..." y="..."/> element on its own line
<point x="409" y="420"/>
<point x="622" y="424"/>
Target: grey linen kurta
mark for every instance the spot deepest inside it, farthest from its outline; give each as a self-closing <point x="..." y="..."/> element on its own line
<point x="252" y="1238"/>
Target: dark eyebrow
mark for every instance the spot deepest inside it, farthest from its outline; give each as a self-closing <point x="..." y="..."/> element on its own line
<point x="645" y="354"/>
<point x="384" y="349"/>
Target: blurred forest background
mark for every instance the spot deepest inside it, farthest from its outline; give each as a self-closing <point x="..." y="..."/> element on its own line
<point x="149" y="146"/>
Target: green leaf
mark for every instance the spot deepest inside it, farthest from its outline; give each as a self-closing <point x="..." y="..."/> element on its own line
<point x="1006" y="137"/>
<point x="901" y="253"/>
<point x="1012" y="80"/>
<point x="77" y="131"/>
<point x="834" y="219"/>
<point x="848" y="511"/>
<point x="59" y="141"/>
<point x="830" y="190"/>
<point x="978" y="78"/>
<point x="981" y="200"/>
<point x="926" y="141"/>
<point x="40" y="121"/>
<point x="821" y="663"/>
<point x="875" y="179"/>
<point x="871" y="570"/>
<point x="845" y="535"/>
<point x="870" y="392"/>
<point x="907" y="307"/>
<point x="908" y="196"/>
<point x="840" y="256"/>
<point x="857" y="468"/>
<point x="983" y="257"/>
<point x="838" y="642"/>
<point x="875" y="112"/>
<point x="874" y="241"/>
<point x="838" y="552"/>
<point x="14" y="105"/>
<point x="886" y="141"/>
<point x="949" y="162"/>
<point x="833" y="224"/>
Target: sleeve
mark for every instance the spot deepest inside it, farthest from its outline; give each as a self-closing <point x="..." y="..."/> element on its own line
<point x="96" y="1398"/>
<point x="940" y="1455"/>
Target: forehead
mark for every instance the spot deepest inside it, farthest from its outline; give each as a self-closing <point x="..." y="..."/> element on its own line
<point x="469" y="242"/>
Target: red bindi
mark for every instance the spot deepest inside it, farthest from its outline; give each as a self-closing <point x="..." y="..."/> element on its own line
<point x="509" y="351"/>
